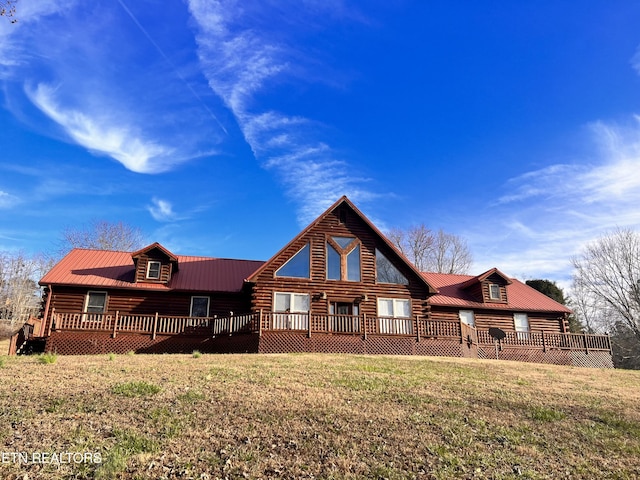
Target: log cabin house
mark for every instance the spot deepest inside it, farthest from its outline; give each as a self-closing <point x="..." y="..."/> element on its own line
<point x="338" y="286"/>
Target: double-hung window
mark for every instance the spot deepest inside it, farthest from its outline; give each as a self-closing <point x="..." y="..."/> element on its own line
<point x="521" y="323"/>
<point x="395" y="316"/>
<point x="494" y="291"/>
<point x="199" y="307"/>
<point x="153" y="270"/>
<point x="467" y="317"/>
<point x="291" y="311"/>
<point x="96" y="302"/>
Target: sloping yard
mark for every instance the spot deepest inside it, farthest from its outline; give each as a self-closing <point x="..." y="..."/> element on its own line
<point x="313" y="416"/>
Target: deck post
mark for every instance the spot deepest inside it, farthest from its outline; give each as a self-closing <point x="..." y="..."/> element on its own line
<point x="364" y="325"/>
<point x="43" y="328"/>
<point x="115" y="324"/>
<point x="544" y="345"/>
<point x="309" y="324"/>
<point x="609" y="342"/>
<point x="586" y="345"/>
<point x="51" y="321"/>
<point x="418" y="328"/>
<point x="260" y="323"/>
<point x="155" y="327"/>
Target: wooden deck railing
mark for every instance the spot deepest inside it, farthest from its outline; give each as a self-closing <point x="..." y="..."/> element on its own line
<point x="259" y="322"/>
<point x="542" y="340"/>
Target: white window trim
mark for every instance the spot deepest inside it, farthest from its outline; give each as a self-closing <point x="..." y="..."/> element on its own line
<point x="199" y="296"/>
<point x="86" y="302"/>
<point x="473" y="317"/>
<point x="149" y="269"/>
<point x="515" y="323"/>
<point x="395" y="302"/>
<point x="491" y="291"/>
<point x="291" y="302"/>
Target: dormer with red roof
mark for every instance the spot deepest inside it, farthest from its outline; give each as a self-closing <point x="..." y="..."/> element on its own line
<point x="488" y="287"/>
<point x="154" y="264"/>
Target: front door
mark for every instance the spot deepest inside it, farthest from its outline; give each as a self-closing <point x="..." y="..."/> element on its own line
<point x="344" y="317"/>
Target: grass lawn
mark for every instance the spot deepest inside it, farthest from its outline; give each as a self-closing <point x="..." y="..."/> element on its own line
<point x="314" y="416"/>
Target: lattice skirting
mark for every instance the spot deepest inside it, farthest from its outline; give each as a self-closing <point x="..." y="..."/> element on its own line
<point x="93" y="343"/>
<point x="283" y="342"/>
<point x="593" y="359"/>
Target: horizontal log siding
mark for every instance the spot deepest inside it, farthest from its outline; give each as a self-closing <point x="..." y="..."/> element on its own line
<point x="135" y="302"/>
<point x="266" y="284"/>
<point x="547" y="322"/>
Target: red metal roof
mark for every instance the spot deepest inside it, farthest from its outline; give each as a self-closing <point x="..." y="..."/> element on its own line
<point x="107" y="269"/>
<point x="451" y="293"/>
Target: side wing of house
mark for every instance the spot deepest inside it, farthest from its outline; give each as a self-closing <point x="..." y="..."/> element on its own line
<point x="148" y="282"/>
<point x="493" y="300"/>
<point x="341" y="265"/>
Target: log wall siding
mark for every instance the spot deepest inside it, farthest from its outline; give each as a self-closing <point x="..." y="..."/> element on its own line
<point x="337" y="290"/>
<point x="546" y="322"/>
<point x="136" y="302"/>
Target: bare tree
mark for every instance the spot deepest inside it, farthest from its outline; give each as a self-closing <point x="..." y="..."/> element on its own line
<point x="451" y="254"/>
<point x="416" y="243"/>
<point x="435" y="252"/>
<point x="607" y="288"/>
<point x="103" y="235"/>
<point x="20" y="294"/>
<point x="8" y="9"/>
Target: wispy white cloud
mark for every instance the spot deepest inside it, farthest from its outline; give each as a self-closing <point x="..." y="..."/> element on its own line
<point x="7" y="200"/>
<point x="104" y="135"/>
<point x="161" y="210"/>
<point x="116" y="92"/>
<point x="546" y="216"/>
<point x="242" y="58"/>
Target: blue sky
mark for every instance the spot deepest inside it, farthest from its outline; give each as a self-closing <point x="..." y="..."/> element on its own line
<point x="222" y="128"/>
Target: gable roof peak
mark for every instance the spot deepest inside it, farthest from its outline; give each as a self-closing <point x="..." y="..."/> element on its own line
<point x="155" y="246"/>
<point x="483" y="276"/>
<point x="345" y="200"/>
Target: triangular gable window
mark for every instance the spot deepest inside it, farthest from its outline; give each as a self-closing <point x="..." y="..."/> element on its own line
<point x="343" y="241"/>
<point x="386" y="272"/>
<point x="297" y="266"/>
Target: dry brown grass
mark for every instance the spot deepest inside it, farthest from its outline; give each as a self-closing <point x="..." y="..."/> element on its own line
<point x="318" y="416"/>
<point x="4" y="346"/>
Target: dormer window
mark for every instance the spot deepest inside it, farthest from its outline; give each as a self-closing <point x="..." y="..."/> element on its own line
<point x="153" y="270"/>
<point x="494" y="291"/>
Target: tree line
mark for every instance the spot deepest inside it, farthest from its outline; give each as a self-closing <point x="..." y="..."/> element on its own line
<point x="20" y="294"/>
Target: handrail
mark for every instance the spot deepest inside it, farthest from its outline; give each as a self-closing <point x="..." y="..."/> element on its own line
<point x="420" y="328"/>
